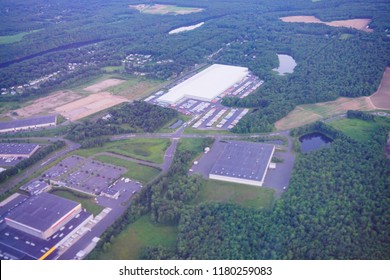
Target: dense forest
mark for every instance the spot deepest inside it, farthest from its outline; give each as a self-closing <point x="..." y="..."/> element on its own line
<point x="133" y="117"/>
<point x="332" y="62"/>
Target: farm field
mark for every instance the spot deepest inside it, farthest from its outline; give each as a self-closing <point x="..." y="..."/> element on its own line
<point x="381" y="98"/>
<point x="151" y="150"/>
<point x="159" y="9"/>
<point x="129" y="243"/>
<point x="86" y="201"/>
<point x="308" y="113"/>
<point x="244" y="195"/>
<point x="89" y="105"/>
<point x="359" y="24"/>
<point x="101" y="86"/>
<point x="136" y="171"/>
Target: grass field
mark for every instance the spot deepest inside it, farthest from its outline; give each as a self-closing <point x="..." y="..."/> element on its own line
<point x="111" y="69"/>
<point x="309" y="113"/>
<point x="244" y="195"/>
<point x="158" y="9"/>
<point x="128" y="244"/>
<point x="358" y="129"/>
<point x="15" y="38"/>
<point x="136" y="88"/>
<point x="151" y="150"/>
<point x="86" y="201"/>
<point x="136" y="171"/>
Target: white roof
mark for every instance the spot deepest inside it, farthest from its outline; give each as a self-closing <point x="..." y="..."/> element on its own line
<point x="207" y="84"/>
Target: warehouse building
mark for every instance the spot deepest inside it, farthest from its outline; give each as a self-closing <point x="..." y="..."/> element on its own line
<point x="13" y="150"/>
<point x="207" y="84"/>
<point x="30" y="123"/>
<point x="243" y="162"/>
<point x="42" y="215"/>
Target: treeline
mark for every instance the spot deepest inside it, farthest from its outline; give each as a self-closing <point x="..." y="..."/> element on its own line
<point x="133" y="117"/>
<point x="37" y="156"/>
<point x="352" y="114"/>
<point x="336" y="208"/>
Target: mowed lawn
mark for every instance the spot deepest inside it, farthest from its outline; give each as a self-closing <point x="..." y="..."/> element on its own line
<point x="358" y="129"/>
<point x="136" y="171"/>
<point x="151" y="150"/>
<point x="244" y="195"/>
<point x="128" y="244"/>
<point x="86" y="201"/>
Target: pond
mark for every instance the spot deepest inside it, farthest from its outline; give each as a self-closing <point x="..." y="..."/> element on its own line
<point x="186" y="28"/>
<point x="314" y="141"/>
<point x="286" y="64"/>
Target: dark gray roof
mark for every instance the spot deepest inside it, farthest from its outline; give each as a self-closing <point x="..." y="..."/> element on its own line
<point x="18" y="149"/>
<point x="42" y="211"/>
<point x="244" y="160"/>
<point x="28" y="122"/>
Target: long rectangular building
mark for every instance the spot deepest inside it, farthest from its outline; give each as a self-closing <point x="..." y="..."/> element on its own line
<point x="42" y="215"/>
<point x="17" y="150"/>
<point x="30" y="123"/>
<point x="207" y="84"/>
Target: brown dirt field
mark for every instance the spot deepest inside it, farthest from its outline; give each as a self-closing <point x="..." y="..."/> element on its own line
<point x="359" y="24"/>
<point x="381" y="98"/>
<point x="89" y="105"/>
<point x="98" y="87"/>
<point x="309" y="113"/>
<point x="47" y="104"/>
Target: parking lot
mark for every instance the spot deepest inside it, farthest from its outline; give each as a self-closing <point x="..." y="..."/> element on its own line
<point x="213" y="115"/>
<point x="85" y="175"/>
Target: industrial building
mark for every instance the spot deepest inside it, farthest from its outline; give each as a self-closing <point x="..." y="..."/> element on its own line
<point x="243" y="162"/>
<point x="42" y="215"/>
<point x="13" y="150"/>
<point x="36" y="187"/>
<point x="207" y="84"/>
<point x="30" y="123"/>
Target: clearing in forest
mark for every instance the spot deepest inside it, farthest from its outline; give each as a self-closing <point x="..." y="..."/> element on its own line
<point x="89" y="105"/>
<point x="47" y="104"/>
<point x="381" y="98"/>
<point x="100" y="86"/>
<point x="359" y="23"/>
<point x="159" y="9"/>
<point x="308" y="113"/>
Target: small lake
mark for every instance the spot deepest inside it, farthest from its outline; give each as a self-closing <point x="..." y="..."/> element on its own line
<point x="185" y="28"/>
<point x="286" y="64"/>
<point x="314" y="141"/>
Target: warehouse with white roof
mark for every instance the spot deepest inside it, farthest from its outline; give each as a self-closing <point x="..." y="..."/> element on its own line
<point x="207" y="84"/>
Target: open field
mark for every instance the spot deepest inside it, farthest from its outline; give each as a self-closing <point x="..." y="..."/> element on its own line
<point x="89" y="105"/>
<point x="136" y="88"/>
<point x="15" y="38"/>
<point x="309" y="113"/>
<point x="86" y="201"/>
<point x="151" y="150"/>
<point x="159" y="9"/>
<point x="100" y="86"/>
<point x="136" y="171"/>
<point x="359" y="24"/>
<point x="381" y="98"/>
<point x="128" y="244"/>
<point x="47" y="104"/>
<point x="244" y="195"/>
<point x="360" y="130"/>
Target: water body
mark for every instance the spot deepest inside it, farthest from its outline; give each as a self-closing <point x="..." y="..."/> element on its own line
<point x="61" y="48"/>
<point x="186" y="28"/>
<point x="286" y="64"/>
<point x="314" y="141"/>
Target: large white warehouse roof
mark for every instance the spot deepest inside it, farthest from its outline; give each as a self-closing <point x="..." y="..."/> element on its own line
<point x="206" y="85"/>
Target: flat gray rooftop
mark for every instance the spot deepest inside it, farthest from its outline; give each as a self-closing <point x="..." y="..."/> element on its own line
<point x="244" y="160"/>
<point x="42" y="211"/>
<point x="28" y="122"/>
<point x="16" y="149"/>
